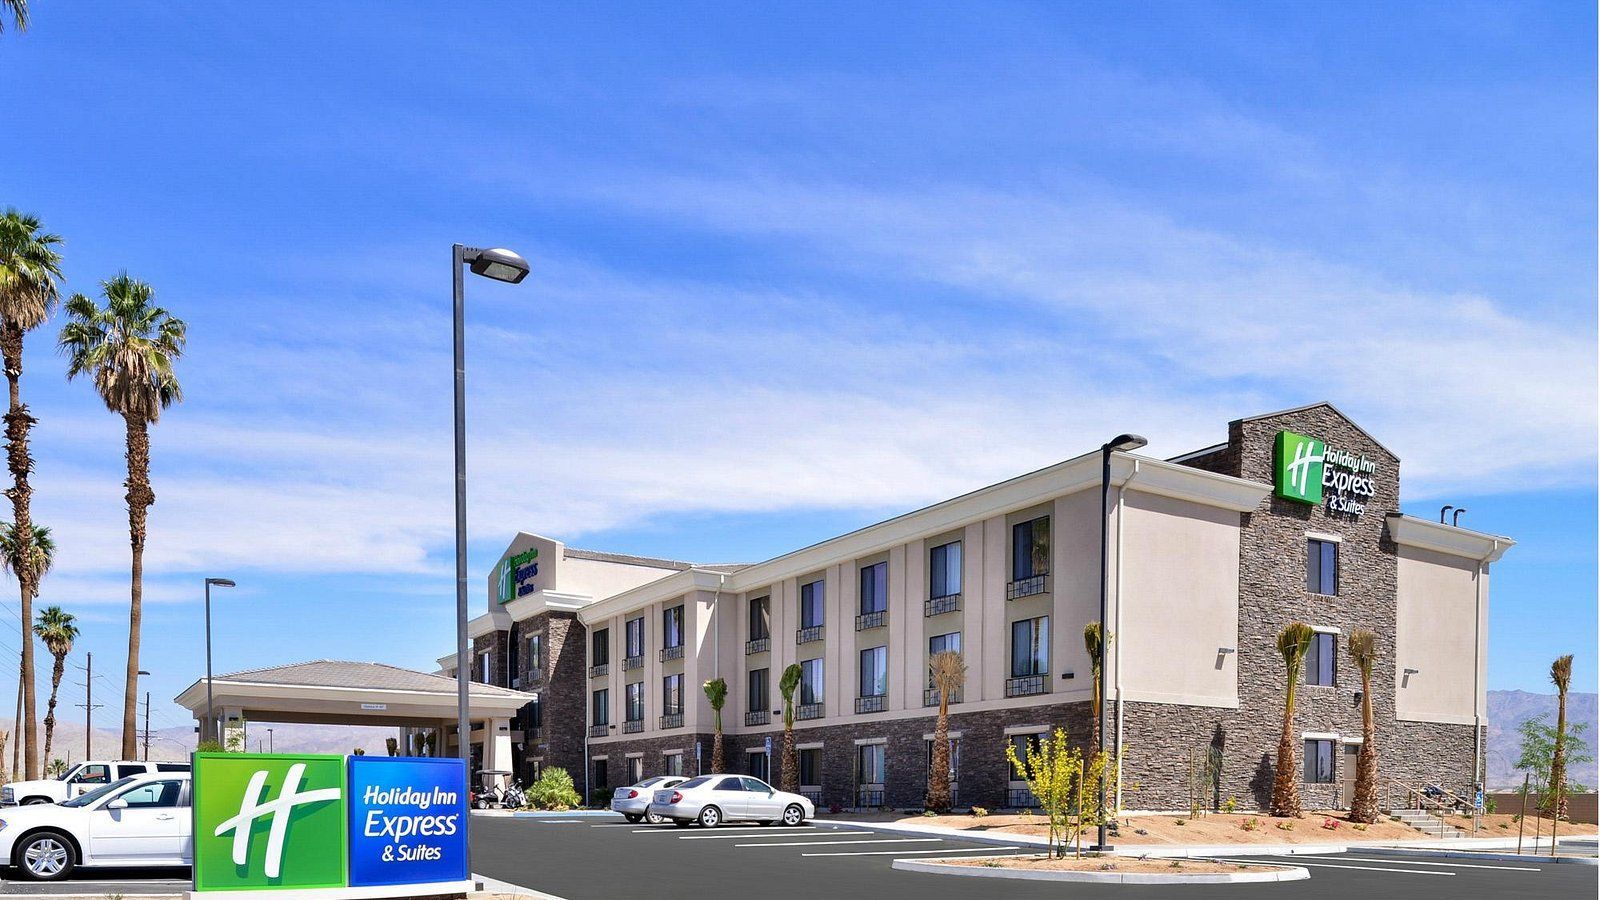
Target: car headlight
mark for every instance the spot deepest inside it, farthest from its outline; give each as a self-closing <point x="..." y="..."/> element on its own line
<point x="2" y="824"/>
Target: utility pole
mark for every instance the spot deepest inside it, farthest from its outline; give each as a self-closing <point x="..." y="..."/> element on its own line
<point x="146" y="726"/>
<point x="89" y="706"/>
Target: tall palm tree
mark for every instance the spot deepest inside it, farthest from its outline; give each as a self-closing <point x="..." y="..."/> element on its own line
<point x="128" y="347"/>
<point x="1293" y="642"/>
<point x="57" y="629"/>
<point x="1561" y="676"/>
<point x="717" y="693"/>
<point x="19" y="14"/>
<point x="948" y="672"/>
<point x="789" y="773"/>
<point x="1363" y="648"/>
<point x="1096" y="648"/>
<point x="30" y="267"/>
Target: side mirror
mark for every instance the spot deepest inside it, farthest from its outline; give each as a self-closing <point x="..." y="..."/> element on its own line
<point x="117" y="803"/>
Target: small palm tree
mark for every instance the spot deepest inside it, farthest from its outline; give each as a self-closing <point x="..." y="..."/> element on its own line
<point x="1293" y="642"/>
<point x="789" y="778"/>
<point x="1363" y="648"/>
<point x="717" y="693"/>
<point x="30" y="267"/>
<point x="128" y="347"/>
<point x="57" y="629"/>
<point x="948" y="672"/>
<point x="1561" y="677"/>
<point x="19" y="14"/>
<point x="1096" y="648"/>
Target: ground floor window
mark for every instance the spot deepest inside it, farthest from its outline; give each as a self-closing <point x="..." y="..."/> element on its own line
<point x="955" y="757"/>
<point x="755" y="764"/>
<point x="811" y="767"/>
<point x="1319" y="761"/>
<point x="635" y="769"/>
<point x="1018" y="793"/>
<point x="600" y="781"/>
<point x="672" y="764"/>
<point x="871" y="773"/>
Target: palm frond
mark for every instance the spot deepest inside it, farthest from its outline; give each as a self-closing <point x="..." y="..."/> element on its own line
<point x="128" y="347"/>
<point x="1561" y="673"/>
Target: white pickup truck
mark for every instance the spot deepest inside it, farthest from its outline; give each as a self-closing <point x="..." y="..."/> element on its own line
<point x="85" y="776"/>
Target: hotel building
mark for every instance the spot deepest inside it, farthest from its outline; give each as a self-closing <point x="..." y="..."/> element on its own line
<point x="1294" y="517"/>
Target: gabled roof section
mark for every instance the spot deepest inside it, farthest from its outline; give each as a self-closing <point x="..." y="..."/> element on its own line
<point x="1323" y="403"/>
<point x="625" y="559"/>
<point x="359" y="675"/>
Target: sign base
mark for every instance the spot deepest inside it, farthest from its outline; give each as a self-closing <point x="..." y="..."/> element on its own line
<point x="375" y="892"/>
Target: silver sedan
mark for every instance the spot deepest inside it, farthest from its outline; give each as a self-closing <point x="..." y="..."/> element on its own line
<point x="633" y="801"/>
<point x="714" y="799"/>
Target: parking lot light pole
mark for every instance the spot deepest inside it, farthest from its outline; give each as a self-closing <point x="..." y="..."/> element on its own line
<point x="501" y="265"/>
<point x="1120" y="443"/>
<point x="211" y="718"/>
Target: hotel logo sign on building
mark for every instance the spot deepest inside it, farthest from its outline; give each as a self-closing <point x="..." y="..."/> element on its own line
<point x="517" y="574"/>
<point x="1308" y="471"/>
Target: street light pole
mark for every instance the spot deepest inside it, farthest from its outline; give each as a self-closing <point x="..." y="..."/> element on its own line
<point x="501" y="265"/>
<point x="1122" y="442"/>
<point x="211" y="719"/>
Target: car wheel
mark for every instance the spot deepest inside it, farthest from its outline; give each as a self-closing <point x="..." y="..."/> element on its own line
<point x="710" y="817"/>
<point x="46" y="856"/>
<point x="793" y="815"/>
<point x="632" y="818"/>
<point x="653" y="818"/>
<point x="681" y="823"/>
<point x="35" y="801"/>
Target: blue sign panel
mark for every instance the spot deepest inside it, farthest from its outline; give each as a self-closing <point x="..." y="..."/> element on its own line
<point x="408" y="820"/>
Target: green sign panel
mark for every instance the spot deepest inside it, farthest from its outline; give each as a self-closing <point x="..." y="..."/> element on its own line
<point x="515" y="572"/>
<point x="1299" y="467"/>
<point x="268" y="821"/>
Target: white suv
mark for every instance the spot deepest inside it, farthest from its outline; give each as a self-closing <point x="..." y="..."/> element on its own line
<point x="81" y="778"/>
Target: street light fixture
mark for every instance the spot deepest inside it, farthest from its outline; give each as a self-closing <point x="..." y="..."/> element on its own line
<point x="211" y="719"/>
<point x="1122" y="443"/>
<point x="500" y="265"/>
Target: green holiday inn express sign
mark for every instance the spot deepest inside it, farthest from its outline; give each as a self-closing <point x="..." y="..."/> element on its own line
<point x="1307" y="471"/>
<point x="267" y="822"/>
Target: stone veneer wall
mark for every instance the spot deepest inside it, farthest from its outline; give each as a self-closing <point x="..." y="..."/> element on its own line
<point x="1159" y="739"/>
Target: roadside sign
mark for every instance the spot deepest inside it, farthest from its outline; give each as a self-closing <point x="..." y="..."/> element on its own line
<point x="769" y="745"/>
<point x="268" y="821"/>
<point x="408" y="820"/>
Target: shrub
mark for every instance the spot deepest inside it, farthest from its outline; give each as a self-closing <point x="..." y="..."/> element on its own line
<point x="928" y="814"/>
<point x="979" y="812"/>
<point x="1330" y="823"/>
<point x="553" y="791"/>
<point x="1359" y="826"/>
<point x="1230" y="805"/>
<point x="1180" y="821"/>
<point x="1250" y="824"/>
<point x="1286" y="826"/>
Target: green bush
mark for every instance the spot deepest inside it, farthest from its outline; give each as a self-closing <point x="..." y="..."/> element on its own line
<point x="554" y="791"/>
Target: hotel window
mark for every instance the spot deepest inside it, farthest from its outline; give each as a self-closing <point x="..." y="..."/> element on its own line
<point x="940" y="643"/>
<point x="600" y="647"/>
<point x="635" y="769"/>
<point x="672" y="627"/>
<point x="535" y="654"/>
<point x="672" y="695"/>
<point x="811" y="602"/>
<point x="1030" y="647"/>
<point x="874" y="672"/>
<point x="944" y="570"/>
<point x="955" y="757"/>
<point x="760" y="618"/>
<point x="1030" y="549"/>
<point x="869" y="764"/>
<point x="1319" y="762"/>
<point x="755" y="765"/>
<point x="635" y="637"/>
<point x="874" y="588"/>
<point x="1322" y="567"/>
<point x="483" y="667"/>
<point x="600" y="707"/>
<point x="600" y="774"/>
<point x="672" y="764"/>
<point x="1322" y="660"/>
<point x="811" y="681"/>
<point x="536" y="712"/>
<point x="811" y="766"/>
<point x="756" y="682"/>
<point x="635" y="702"/>
<point x="511" y="651"/>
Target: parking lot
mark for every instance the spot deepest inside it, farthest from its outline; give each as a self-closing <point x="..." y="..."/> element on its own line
<point x="593" y="857"/>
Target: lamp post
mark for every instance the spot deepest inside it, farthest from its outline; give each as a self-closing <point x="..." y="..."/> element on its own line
<point x="269" y="740"/>
<point x="211" y="718"/>
<point x="1120" y="443"/>
<point x="501" y="265"/>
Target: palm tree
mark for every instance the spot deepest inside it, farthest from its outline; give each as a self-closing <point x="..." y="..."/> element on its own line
<point x="1096" y="648"/>
<point x="57" y="629"/>
<point x="128" y="348"/>
<point x="1293" y="642"/>
<point x="30" y="266"/>
<point x="789" y="774"/>
<point x="948" y="672"/>
<point x="1561" y="676"/>
<point x="717" y="692"/>
<point x="1363" y="648"/>
<point x="19" y="14"/>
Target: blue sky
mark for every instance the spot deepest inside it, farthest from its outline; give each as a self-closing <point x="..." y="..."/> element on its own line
<point x="795" y="269"/>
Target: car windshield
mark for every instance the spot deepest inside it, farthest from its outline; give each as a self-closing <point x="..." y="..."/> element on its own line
<point x="97" y="793"/>
<point x="649" y="781"/>
<point x="694" y="782"/>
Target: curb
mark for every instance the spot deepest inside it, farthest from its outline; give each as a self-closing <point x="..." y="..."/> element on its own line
<point x="540" y="813"/>
<point x="1500" y="857"/>
<point x="936" y="867"/>
<point x="1169" y="851"/>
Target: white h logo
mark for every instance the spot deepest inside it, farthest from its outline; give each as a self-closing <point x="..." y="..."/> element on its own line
<point x="251" y="808"/>
<point x="1299" y="468"/>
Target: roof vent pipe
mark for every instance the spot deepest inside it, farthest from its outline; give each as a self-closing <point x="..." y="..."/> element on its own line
<point x="1444" y="510"/>
<point x="1455" y="518"/>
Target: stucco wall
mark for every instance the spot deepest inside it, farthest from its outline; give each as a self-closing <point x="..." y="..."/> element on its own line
<point x="1439" y="629"/>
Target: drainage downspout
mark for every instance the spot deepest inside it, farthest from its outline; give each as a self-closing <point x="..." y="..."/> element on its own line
<point x="716" y="653"/>
<point x="1116" y="669"/>
<point x="1477" y="664"/>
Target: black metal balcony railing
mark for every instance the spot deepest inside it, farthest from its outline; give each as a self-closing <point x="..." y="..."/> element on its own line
<point x="814" y="794"/>
<point x="808" y="711"/>
<point x="600" y="730"/>
<point x="672" y="720"/>
<point x="870" y="704"/>
<point x="671" y="653"/>
<point x="869" y="798"/>
<point x="759" y="645"/>
<point x="809" y="634"/>
<point x="633" y="726"/>
<point x="938" y="606"/>
<point x="757" y="717"/>
<point x="872" y="620"/>
<point x="1021" y="798"/>
<point x="1027" y="587"/>
<point x="930" y="697"/>
<point x="632" y="662"/>
<point x="602" y="669"/>
<point x="1024" y="686"/>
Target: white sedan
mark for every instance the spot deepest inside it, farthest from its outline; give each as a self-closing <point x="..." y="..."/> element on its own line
<point x="714" y="799"/>
<point x="141" y="820"/>
<point x="633" y="801"/>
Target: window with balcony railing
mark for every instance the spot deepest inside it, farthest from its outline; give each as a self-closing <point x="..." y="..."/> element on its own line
<point x="1021" y="798"/>
<point x="632" y="662"/>
<point x="672" y="720"/>
<point x="757" y="717"/>
<point x="671" y="653"/>
<point x="808" y="711"/>
<point x="814" y="794"/>
<point x="807" y="635"/>
<point x="869" y="798"/>
<point x="872" y="620"/>
<point x="599" y="730"/>
<point x="938" y="606"/>
<point x="599" y="671"/>
<point x="1024" y="686"/>
<point x="633" y="727"/>
<point x="930" y="697"/>
<point x="759" y="645"/>
<point x="870" y="704"/>
<point x="1027" y="587"/>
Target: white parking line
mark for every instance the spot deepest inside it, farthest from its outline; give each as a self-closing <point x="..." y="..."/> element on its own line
<point x="821" y="843"/>
<point x="1414" y="862"/>
<point x="780" y="834"/>
<point x="558" y="821"/>
<point x="1295" y="861"/>
<point x="668" y="829"/>
<point x="994" y="850"/>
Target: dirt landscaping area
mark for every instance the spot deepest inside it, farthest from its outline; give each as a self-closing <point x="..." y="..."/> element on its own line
<point x="1505" y="825"/>
<point x="1109" y="864"/>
